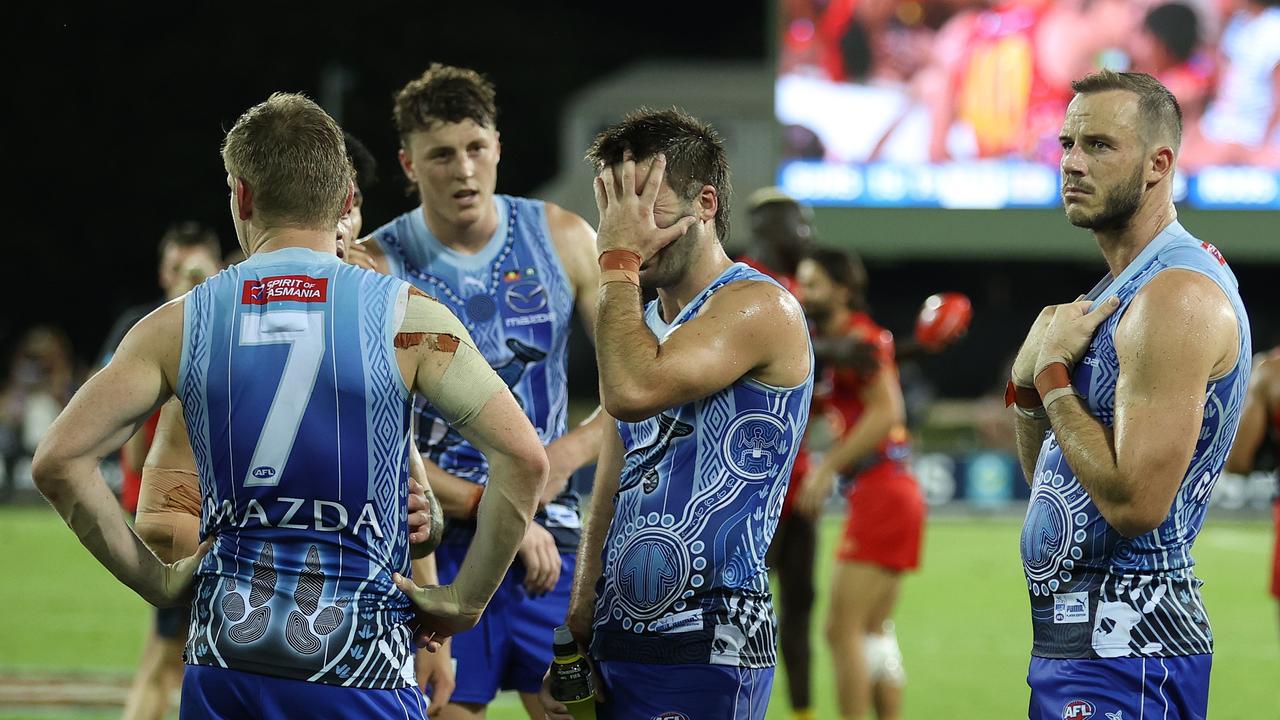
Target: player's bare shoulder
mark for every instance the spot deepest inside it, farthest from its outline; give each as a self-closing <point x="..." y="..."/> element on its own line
<point x="575" y="242"/>
<point x="1187" y="307"/>
<point x="765" y="317"/>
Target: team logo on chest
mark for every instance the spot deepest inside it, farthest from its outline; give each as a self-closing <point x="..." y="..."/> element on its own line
<point x="526" y="296"/>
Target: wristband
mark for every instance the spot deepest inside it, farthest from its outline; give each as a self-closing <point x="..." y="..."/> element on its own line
<point x="620" y="260"/>
<point x="1057" y="394"/>
<point x="1026" y="398"/>
<point x="1039" y="413"/>
<point x="626" y="276"/>
<point x="474" y="505"/>
<point x="1054" y="376"/>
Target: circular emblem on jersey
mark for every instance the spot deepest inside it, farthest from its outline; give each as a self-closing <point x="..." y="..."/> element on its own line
<point x="526" y="296"/>
<point x="1077" y="710"/>
<point x="653" y="568"/>
<point x="671" y="716"/>
<point x="262" y="472"/>
<point x="481" y="308"/>
<point x="755" y="445"/>
<point x="1046" y="534"/>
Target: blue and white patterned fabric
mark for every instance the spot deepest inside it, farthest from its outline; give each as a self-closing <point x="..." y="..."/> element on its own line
<point x="299" y="420"/>
<point x="1095" y="593"/>
<point x="701" y="491"/>
<point x="515" y="299"/>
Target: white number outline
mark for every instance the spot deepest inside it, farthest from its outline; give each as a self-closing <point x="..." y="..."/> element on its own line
<point x="303" y="332"/>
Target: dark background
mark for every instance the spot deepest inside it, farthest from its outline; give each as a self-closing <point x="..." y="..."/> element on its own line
<point x="120" y="112"/>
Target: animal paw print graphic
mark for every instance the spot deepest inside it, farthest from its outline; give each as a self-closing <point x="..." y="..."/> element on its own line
<point x="309" y="623"/>
<point x="250" y="627"/>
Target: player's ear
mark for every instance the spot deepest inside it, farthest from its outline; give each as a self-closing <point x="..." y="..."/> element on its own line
<point x="1160" y="164"/>
<point x="351" y="197"/>
<point x="244" y="198"/>
<point x="406" y="164"/>
<point x="707" y="204"/>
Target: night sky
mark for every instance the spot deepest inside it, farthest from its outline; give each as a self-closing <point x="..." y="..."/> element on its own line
<point x="120" y="114"/>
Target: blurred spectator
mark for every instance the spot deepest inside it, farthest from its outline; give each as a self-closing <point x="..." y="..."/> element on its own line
<point x="189" y="252"/>
<point x="1168" y="46"/>
<point x="42" y="378"/>
<point x="1242" y="123"/>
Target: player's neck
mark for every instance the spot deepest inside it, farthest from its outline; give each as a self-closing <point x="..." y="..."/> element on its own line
<point x="469" y="238"/>
<point x="271" y="239"/>
<point x="706" y="267"/>
<point x="836" y="323"/>
<point x="1121" y="246"/>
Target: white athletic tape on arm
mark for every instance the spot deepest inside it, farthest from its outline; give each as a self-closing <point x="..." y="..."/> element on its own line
<point x="468" y="382"/>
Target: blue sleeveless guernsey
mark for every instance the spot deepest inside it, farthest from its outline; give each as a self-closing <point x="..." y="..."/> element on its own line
<point x="1094" y="593"/>
<point x="299" y="421"/>
<point x="698" y="502"/>
<point x="516" y="300"/>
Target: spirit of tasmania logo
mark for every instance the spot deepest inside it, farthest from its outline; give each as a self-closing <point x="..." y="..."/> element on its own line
<point x="295" y="288"/>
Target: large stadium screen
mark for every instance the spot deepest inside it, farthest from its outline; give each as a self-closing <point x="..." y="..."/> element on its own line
<point x="958" y="103"/>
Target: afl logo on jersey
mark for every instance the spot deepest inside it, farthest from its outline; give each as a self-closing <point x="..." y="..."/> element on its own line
<point x="263" y="472"/>
<point x="526" y="296"/>
<point x="671" y="716"/>
<point x="1077" y="710"/>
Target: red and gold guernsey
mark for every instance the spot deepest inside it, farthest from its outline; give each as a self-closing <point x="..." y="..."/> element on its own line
<point x="839" y="397"/>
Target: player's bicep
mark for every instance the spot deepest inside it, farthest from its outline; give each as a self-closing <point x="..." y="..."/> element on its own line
<point x="1168" y="345"/>
<point x="734" y="335"/>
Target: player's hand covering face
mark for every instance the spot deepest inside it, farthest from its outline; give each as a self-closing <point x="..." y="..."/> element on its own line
<point x="626" y="210"/>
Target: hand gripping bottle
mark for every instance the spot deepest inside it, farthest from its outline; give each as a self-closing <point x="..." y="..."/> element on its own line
<point x="571" y="680"/>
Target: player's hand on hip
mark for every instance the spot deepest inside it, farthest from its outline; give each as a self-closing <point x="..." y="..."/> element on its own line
<point x="421" y="510"/>
<point x="815" y="491"/>
<point x="176" y="579"/>
<point x="1071" y="330"/>
<point x="541" y="560"/>
<point x="435" y="670"/>
<point x="438" y="611"/>
<point x="1024" y="364"/>
<point x="626" y="210"/>
<point x="560" y="471"/>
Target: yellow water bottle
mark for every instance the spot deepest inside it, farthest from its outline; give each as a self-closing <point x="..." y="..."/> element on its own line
<point x="571" y="679"/>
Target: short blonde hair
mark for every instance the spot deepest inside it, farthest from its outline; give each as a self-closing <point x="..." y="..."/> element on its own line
<point x="292" y="156"/>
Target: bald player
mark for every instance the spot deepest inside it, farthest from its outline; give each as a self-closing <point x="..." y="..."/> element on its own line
<point x="1127" y="406"/>
<point x="1260" y="418"/>
<point x="296" y="375"/>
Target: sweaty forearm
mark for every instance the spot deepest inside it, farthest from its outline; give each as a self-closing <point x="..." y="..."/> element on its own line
<point x="594" y="533"/>
<point x="872" y="428"/>
<point x="1029" y="434"/>
<point x="1089" y="448"/>
<point x="505" y="511"/>
<point x="89" y="508"/>
<point x="626" y="351"/>
<point x="576" y="448"/>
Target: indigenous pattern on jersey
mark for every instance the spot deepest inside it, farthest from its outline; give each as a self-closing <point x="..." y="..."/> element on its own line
<point x="516" y="300"/>
<point x="801" y="466"/>
<point x="1095" y="593"/>
<point x="698" y="502"/>
<point x="299" y="422"/>
<point x="839" y="397"/>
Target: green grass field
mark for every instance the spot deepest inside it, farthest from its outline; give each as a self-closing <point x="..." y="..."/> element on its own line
<point x="962" y="621"/>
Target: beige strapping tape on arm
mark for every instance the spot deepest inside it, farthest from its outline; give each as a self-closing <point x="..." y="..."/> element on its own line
<point x="468" y="382"/>
<point x="169" y="512"/>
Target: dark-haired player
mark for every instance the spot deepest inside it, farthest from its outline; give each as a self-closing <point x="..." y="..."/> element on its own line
<point x="514" y="271"/>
